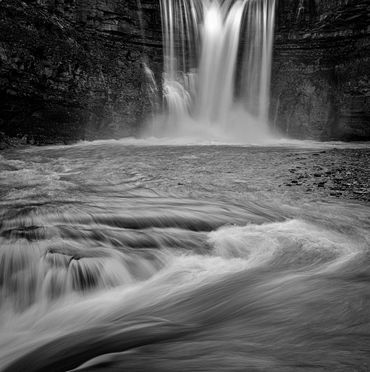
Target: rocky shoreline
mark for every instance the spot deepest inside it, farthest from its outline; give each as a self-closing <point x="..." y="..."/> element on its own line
<point x="284" y="173"/>
<point x="339" y="173"/>
<point x="7" y="142"/>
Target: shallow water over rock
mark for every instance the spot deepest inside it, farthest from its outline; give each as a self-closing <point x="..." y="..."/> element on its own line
<point x="191" y="258"/>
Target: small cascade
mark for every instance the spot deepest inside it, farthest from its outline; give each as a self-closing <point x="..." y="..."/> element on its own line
<point x="217" y="67"/>
<point x="258" y="57"/>
<point x="37" y="273"/>
<point x="181" y="39"/>
<point x="116" y="257"/>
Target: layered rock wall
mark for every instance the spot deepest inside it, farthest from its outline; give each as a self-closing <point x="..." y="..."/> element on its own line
<point x="72" y="69"/>
<point x="321" y="69"/>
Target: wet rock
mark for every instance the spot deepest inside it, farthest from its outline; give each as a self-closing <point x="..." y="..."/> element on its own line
<point x="3" y="144"/>
<point x="23" y="140"/>
<point x="336" y="193"/>
<point x="350" y="180"/>
<point x="78" y="64"/>
<point x="321" y="69"/>
<point x="8" y="142"/>
<point x="64" y="76"/>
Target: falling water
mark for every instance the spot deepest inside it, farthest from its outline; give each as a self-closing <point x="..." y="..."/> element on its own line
<point x="217" y="66"/>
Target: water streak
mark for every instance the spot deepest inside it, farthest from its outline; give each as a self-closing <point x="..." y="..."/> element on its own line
<point x="121" y="272"/>
<point x="217" y="67"/>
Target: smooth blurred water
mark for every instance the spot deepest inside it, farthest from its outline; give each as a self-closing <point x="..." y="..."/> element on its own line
<point x="217" y="67"/>
<point x="160" y="258"/>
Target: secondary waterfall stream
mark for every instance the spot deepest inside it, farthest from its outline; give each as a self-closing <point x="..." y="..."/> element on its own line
<point x="159" y="258"/>
<point x="217" y="66"/>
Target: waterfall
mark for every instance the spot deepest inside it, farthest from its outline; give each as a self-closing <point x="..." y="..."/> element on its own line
<point x="217" y="67"/>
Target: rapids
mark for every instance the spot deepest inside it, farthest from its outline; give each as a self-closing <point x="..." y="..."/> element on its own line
<point x="176" y="258"/>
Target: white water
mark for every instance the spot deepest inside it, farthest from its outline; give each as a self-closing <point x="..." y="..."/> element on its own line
<point x="217" y="67"/>
<point x="127" y="272"/>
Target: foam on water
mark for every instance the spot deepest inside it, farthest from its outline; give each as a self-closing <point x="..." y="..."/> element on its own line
<point x="197" y="140"/>
<point x="121" y="270"/>
<point x="217" y="67"/>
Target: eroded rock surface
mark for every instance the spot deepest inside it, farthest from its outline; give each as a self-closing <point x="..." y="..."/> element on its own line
<point x="321" y="70"/>
<point x="73" y="70"/>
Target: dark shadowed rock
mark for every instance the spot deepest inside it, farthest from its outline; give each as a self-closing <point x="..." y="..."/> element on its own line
<point x="321" y="70"/>
<point x="73" y="70"/>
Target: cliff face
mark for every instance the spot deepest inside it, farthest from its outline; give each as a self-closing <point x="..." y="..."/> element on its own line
<point x="73" y="69"/>
<point x="321" y="70"/>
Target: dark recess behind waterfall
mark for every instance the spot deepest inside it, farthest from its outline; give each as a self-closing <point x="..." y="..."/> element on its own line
<point x="73" y="69"/>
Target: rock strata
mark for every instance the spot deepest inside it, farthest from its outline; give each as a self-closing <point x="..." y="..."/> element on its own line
<point x="73" y="70"/>
<point x="321" y="70"/>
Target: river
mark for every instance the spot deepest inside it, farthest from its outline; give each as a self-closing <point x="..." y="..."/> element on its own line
<point x="124" y="256"/>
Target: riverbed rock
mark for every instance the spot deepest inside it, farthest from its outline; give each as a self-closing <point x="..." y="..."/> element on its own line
<point x="344" y="173"/>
